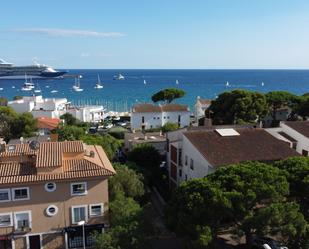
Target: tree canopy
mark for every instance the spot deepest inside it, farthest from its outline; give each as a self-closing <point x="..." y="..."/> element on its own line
<point x="168" y="95"/>
<point x="170" y="127"/>
<point x="238" y="106"/>
<point x="247" y="198"/>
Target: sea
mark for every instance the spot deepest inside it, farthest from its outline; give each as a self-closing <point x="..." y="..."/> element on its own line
<point x="140" y="85"/>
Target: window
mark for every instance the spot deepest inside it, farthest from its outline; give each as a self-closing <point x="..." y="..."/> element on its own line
<point x="143" y="119"/>
<point x="305" y="153"/>
<point x="22" y="220"/>
<point x="191" y="164"/>
<point x="79" y="188"/>
<point x="79" y="213"/>
<point x="154" y="117"/>
<point x="20" y="194"/>
<point x="5" y="195"/>
<point x="186" y="160"/>
<point x="51" y="210"/>
<point x="164" y="117"/>
<point x="6" y="220"/>
<point x="180" y="157"/>
<point x="168" y="117"/>
<point x="50" y="186"/>
<point x="96" y="209"/>
<point x="180" y="173"/>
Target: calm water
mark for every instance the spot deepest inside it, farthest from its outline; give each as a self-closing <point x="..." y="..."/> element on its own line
<point x="121" y="95"/>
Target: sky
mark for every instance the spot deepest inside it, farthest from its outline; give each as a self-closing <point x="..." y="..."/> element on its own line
<point x="160" y="34"/>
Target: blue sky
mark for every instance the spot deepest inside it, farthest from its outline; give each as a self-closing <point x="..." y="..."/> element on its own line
<point x="156" y="34"/>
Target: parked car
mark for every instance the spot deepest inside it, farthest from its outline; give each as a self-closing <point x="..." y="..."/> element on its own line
<point x="266" y="243"/>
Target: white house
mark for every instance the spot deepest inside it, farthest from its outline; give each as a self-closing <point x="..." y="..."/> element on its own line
<point x="154" y="116"/>
<point x="197" y="153"/>
<point x="55" y="107"/>
<point x="200" y="107"/>
<point x="296" y="133"/>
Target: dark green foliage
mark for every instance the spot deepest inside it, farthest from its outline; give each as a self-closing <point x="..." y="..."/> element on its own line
<point x="69" y="119"/>
<point x="252" y="198"/>
<point x="238" y="106"/>
<point x="126" y="181"/>
<point x="170" y="127"/>
<point x="168" y="95"/>
<point x="70" y="132"/>
<point x="17" y="97"/>
<point x="13" y="125"/>
<point x="109" y="143"/>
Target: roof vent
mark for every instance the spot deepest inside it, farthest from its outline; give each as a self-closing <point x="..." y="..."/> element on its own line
<point x="11" y="148"/>
<point x="34" y="145"/>
<point x="228" y="132"/>
<point x="2" y="145"/>
<point x="91" y="154"/>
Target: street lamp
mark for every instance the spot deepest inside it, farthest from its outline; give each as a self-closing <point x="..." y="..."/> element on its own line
<point x="82" y="223"/>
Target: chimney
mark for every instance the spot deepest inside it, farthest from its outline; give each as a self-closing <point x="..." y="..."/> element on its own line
<point x="207" y="122"/>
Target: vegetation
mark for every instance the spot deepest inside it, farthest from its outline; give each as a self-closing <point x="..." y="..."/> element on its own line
<point x="127" y="216"/>
<point x="170" y="127"/>
<point x="69" y="119"/>
<point x="14" y="125"/>
<point x="168" y="95"/>
<point x="238" y="107"/>
<point x="3" y="101"/>
<point x="245" y="199"/>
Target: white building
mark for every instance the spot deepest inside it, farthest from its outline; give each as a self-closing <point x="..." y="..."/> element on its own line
<point x="200" y="107"/>
<point x="55" y="107"/>
<point x="154" y="116"/>
<point x="197" y="153"/>
<point x="296" y="133"/>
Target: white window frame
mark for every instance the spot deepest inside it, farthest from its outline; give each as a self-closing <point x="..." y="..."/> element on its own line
<point x="11" y="219"/>
<point x="9" y="194"/>
<point x="79" y="206"/>
<point x="75" y="183"/>
<point x="49" y="213"/>
<point x="23" y="212"/>
<point x="96" y="204"/>
<point x="24" y="199"/>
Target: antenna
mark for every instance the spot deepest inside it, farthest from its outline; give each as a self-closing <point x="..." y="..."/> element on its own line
<point x="34" y="145"/>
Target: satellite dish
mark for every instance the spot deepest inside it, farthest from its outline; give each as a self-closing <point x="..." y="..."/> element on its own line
<point x="34" y="145"/>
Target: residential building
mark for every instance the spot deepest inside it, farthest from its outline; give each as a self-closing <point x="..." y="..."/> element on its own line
<point x="200" y="107"/>
<point x="282" y="114"/>
<point x="55" y="107"/>
<point x="197" y="153"/>
<point x="296" y="133"/>
<point x="156" y="139"/>
<point x="148" y="116"/>
<point x="48" y="189"/>
<point x="46" y="125"/>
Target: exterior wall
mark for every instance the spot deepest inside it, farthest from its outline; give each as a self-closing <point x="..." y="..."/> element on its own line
<point x="302" y="141"/>
<point x="156" y="119"/>
<point x="53" y="241"/>
<point x="152" y="120"/>
<point x="40" y="199"/>
<point x="281" y="115"/>
<point x="199" y="111"/>
<point x="201" y="166"/>
<point x="21" y="106"/>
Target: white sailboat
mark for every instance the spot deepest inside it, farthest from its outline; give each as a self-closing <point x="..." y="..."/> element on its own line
<point x="1" y="88"/>
<point x="98" y="85"/>
<point x="28" y="85"/>
<point x="145" y="83"/>
<point x="53" y="91"/>
<point x="177" y="82"/>
<point x="38" y="89"/>
<point x="119" y="77"/>
<point x="262" y="84"/>
<point x="76" y="87"/>
<point x="227" y="84"/>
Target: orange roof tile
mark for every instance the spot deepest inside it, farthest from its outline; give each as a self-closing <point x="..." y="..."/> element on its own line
<point x="48" y="123"/>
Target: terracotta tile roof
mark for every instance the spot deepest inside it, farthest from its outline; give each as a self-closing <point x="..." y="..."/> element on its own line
<point x="250" y="145"/>
<point x="301" y="127"/>
<point x="50" y="155"/>
<point x="17" y="150"/>
<point x="142" y="108"/>
<point x="48" y="123"/>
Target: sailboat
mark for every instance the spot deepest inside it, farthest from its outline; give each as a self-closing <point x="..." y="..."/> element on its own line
<point x="145" y="83"/>
<point x="28" y="85"/>
<point x="53" y="91"/>
<point x="98" y="85"/>
<point x="227" y="84"/>
<point x="177" y="82"/>
<point x="76" y="87"/>
<point x="262" y="84"/>
<point x="38" y="89"/>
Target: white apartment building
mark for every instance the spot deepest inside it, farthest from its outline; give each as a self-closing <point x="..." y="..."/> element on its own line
<point x="296" y="133"/>
<point x="150" y="116"/>
<point x="200" y="107"/>
<point x="197" y="153"/>
<point x="55" y="107"/>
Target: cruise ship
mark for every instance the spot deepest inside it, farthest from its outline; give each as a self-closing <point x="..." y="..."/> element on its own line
<point x="10" y="71"/>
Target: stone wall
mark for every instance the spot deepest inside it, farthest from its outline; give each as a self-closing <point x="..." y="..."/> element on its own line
<point x="53" y="241"/>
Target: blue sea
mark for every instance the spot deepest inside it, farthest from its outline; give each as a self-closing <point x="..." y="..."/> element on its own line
<point x="120" y="95"/>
